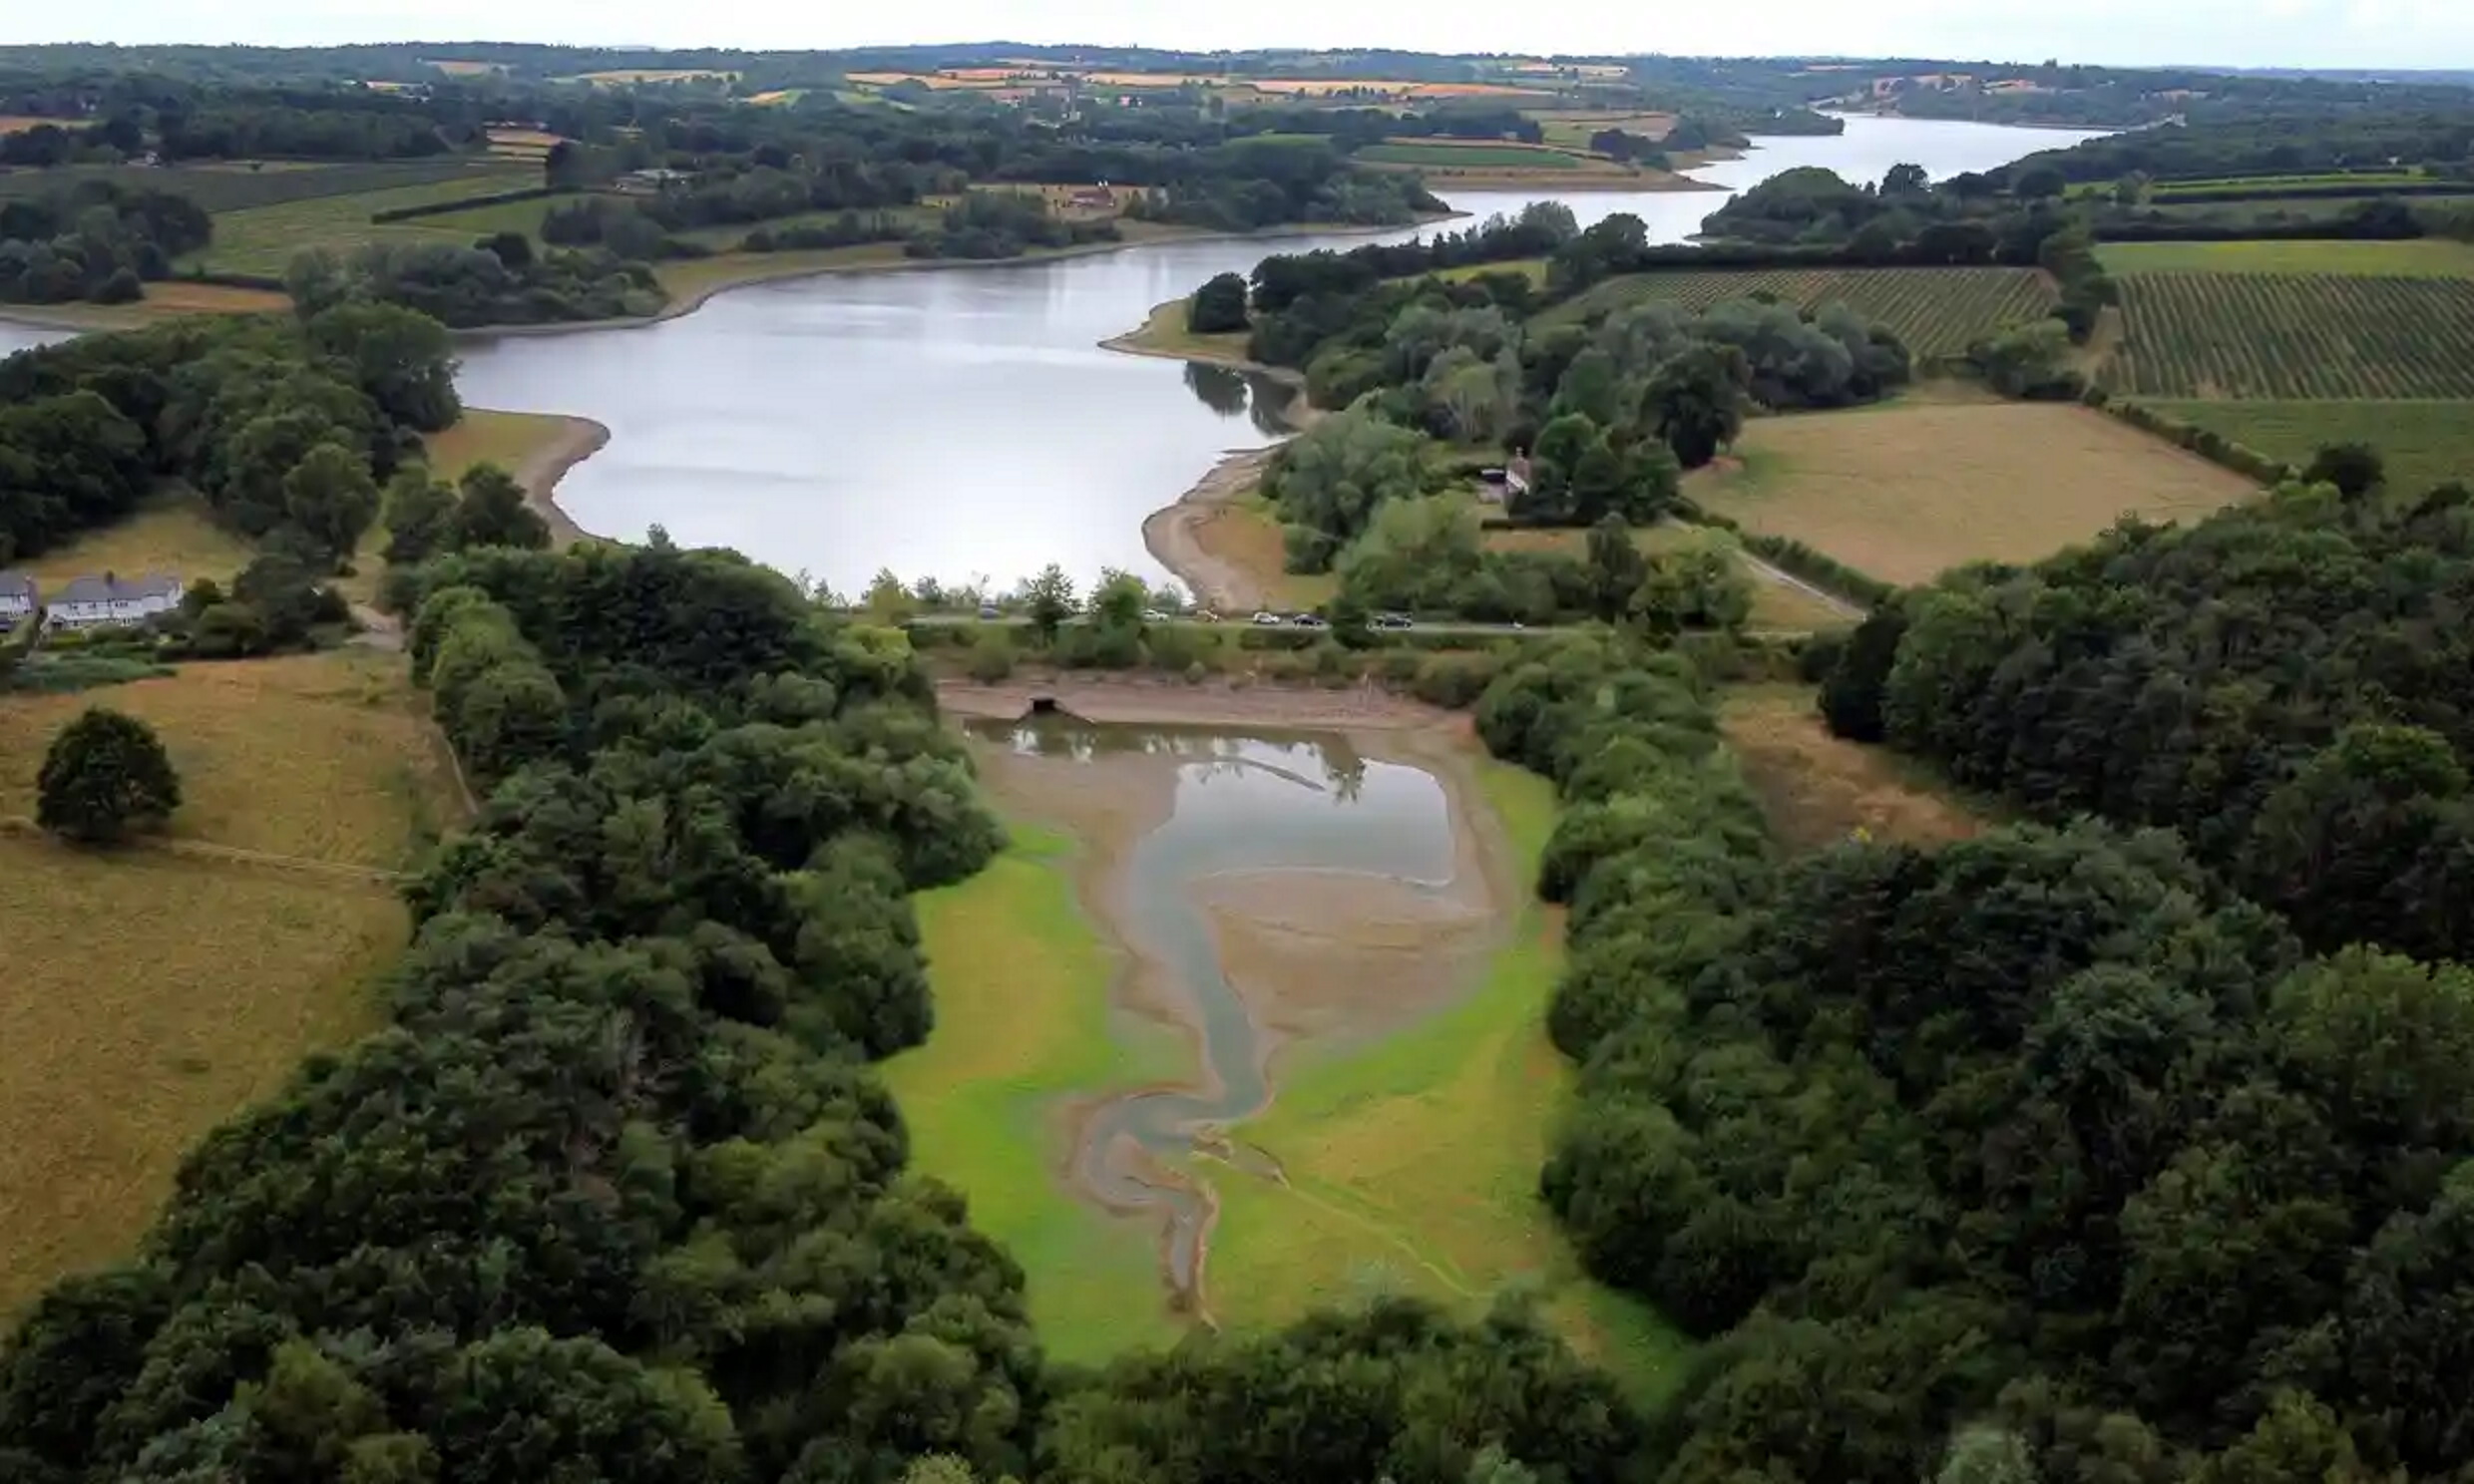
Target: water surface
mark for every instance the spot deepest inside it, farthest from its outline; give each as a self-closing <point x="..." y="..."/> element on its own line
<point x="964" y="423"/>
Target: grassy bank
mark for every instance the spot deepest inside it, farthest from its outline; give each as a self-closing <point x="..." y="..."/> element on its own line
<point x="1023" y="1025"/>
<point x="1412" y="1164"/>
<point x="153" y="992"/>
<point x="172" y="533"/>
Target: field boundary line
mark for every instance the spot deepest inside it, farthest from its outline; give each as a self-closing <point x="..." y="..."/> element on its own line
<point x="205" y="850"/>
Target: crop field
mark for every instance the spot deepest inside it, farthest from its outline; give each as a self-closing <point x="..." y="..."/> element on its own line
<point x="2421" y="258"/>
<point x="631" y="76"/>
<point x="223" y="187"/>
<point x="2423" y="443"/>
<point x="155" y="991"/>
<point x="1936" y="312"/>
<point x="2294" y="336"/>
<point x="1906" y="491"/>
<point x="1574" y="130"/>
<point x="265" y="241"/>
<point x="1411" y="1165"/>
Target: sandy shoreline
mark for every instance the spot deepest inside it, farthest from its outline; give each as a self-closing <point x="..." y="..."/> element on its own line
<point x="578" y="439"/>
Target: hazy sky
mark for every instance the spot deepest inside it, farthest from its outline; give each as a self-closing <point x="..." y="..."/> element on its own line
<point x="2290" y="33"/>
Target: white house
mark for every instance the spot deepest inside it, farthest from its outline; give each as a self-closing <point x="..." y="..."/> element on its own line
<point x="108" y="602"/>
<point x="19" y="601"/>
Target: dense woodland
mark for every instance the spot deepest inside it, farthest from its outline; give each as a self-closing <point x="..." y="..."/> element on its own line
<point x="94" y="241"/>
<point x="2038" y="1157"/>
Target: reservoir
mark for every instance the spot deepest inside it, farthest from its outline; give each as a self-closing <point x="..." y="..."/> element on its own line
<point x="964" y="423"/>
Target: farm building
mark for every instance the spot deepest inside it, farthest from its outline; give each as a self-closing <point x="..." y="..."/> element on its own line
<point x="19" y="599"/>
<point x="652" y="182"/>
<point x="110" y="601"/>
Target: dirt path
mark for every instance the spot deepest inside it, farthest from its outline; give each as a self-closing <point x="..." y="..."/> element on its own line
<point x="1785" y="579"/>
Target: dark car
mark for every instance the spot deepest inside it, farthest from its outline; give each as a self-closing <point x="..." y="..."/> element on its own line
<point x="1393" y="620"/>
<point x="1308" y="620"/>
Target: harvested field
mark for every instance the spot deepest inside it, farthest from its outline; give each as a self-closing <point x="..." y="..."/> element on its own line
<point x="153" y="992"/>
<point x="2294" y="336"/>
<point x="1905" y="492"/>
<point x="267" y="238"/>
<point x="2421" y="258"/>
<point x="2423" y="443"/>
<point x="1817" y="790"/>
<point x="1936" y="312"/>
<point x="173" y="532"/>
<point x="20" y="123"/>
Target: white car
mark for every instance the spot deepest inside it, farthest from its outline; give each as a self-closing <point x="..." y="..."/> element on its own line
<point x="1270" y="620"/>
<point x="1153" y="615"/>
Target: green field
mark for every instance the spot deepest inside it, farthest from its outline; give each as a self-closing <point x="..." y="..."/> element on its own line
<point x="2422" y="257"/>
<point x="1022" y="983"/>
<point x="480" y="221"/>
<point x="238" y="186"/>
<point x="1470" y="156"/>
<point x="1411" y="1166"/>
<point x="1936" y="312"/>
<point x="2294" y="337"/>
<point x="2424" y="442"/>
<point x="266" y="239"/>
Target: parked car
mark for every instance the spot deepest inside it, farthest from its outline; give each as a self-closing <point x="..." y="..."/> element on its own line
<point x="1154" y="615"/>
<point x="1393" y="620"/>
<point x="1269" y="621"/>
<point x="1308" y="620"/>
<point x="990" y="612"/>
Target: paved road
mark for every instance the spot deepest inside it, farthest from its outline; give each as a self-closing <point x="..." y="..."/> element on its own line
<point x="1473" y="630"/>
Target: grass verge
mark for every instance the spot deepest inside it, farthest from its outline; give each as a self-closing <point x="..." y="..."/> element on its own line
<point x="1817" y="789"/>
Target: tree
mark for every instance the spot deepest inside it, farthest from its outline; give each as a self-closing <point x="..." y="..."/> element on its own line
<point x="886" y="600"/>
<point x="1218" y="308"/>
<point x="1119" y="600"/>
<point x="2039" y="183"/>
<point x="1616" y="567"/>
<point x="420" y="516"/>
<point x="330" y="498"/>
<point x="401" y="357"/>
<point x="1049" y="601"/>
<point x="2355" y="469"/>
<point x="1695" y="400"/>
<point x="1905" y="180"/>
<point x="106" y="776"/>
<point x="496" y="512"/>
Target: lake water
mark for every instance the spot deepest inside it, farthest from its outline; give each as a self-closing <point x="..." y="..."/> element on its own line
<point x="965" y="424"/>
<point x="1306" y="807"/>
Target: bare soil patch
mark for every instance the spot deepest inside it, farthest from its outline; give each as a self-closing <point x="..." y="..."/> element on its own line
<point x="1906" y="491"/>
<point x="1817" y="790"/>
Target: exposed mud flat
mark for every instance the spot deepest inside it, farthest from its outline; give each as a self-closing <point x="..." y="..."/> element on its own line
<point x="1250" y="957"/>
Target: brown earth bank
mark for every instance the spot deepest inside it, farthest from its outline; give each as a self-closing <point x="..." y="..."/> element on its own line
<point x="1186" y="538"/>
<point x="578" y="439"/>
<point x="1167" y="702"/>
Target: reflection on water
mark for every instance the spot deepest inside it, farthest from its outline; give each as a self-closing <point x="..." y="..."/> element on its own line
<point x="1250" y="803"/>
<point x="1234" y="393"/>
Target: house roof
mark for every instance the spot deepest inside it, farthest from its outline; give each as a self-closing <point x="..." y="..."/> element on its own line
<point x="108" y="588"/>
<point x="17" y="585"/>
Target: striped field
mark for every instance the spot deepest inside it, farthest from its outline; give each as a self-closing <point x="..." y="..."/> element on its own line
<point x="1936" y="312"/>
<point x="2294" y="337"/>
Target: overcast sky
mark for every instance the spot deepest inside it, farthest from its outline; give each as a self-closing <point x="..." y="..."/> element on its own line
<point x="2284" y="33"/>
